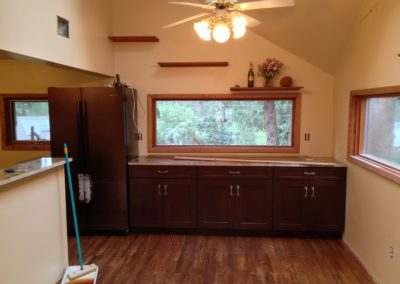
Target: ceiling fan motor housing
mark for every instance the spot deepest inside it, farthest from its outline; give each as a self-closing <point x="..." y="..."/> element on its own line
<point x="224" y="4"/>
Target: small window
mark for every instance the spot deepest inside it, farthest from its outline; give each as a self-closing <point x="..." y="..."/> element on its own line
<point x="224" y="123"/>
<point x="25" y="122"/>
<point x="374" y="134"/>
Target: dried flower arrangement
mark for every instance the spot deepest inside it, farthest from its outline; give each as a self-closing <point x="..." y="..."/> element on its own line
<point x="268" y="69"/>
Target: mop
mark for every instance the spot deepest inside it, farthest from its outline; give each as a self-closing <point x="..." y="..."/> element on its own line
<point x="78" y="273"/>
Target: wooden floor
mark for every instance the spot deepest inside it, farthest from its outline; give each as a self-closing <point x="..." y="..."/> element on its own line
<point x="142" y="258"/>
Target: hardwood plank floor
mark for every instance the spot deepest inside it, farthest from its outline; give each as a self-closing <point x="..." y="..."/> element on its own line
<point x="148" y="258"/>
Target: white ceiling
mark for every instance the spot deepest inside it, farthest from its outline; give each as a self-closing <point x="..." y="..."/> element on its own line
<point x="315" y="30"/>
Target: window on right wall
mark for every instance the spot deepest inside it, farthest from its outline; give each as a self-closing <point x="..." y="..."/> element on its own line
<point x="374" y="130"/>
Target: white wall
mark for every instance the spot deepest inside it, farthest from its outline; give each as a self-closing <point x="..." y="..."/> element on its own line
<point x="34" y="247"/>
<point x="137" y="64"/>
<point x="373" y="211"/>
<point x="30" y="28"/>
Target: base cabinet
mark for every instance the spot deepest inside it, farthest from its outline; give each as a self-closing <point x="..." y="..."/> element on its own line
<point x="310" y="199"/>
<point x="163" y="202"/>
<point x="228" y="199"/>
<point x="302" y="199"/>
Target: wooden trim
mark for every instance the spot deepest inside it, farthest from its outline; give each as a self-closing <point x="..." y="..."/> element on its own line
<point x="194" y="64"/>
<point x="6" y="116"/>
<point x="356" y="131"/>
<point x="377" y="92"/>
<point x="378" y="168"/>
<point x="258" y="89"/>
<point x="134" y="38"/>
<point x="296" y="118"/>
<point x="196" y="97"/>
<point x="151" y="125"/>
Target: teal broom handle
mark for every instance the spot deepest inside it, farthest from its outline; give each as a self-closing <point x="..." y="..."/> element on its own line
<point x="71" y="194"/>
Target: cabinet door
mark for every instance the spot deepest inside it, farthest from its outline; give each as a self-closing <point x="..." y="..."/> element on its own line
<point x="215" y="201"/>
<point x="179" y="203"/>
<point x="253" y="204"/>
<point x="290" y="205"/>
<point x="327" y="206"/>
<point x="146" y="203"/>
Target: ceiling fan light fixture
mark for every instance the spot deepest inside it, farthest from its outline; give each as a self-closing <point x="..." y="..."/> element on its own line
<point x="221" y="32"/>
<point x="227" y="17"/>
<point x="202" y="30"/>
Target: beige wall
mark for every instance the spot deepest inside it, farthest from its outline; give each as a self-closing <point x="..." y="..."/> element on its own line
<point x="137" y="64"/>
<point x="30" y="28"/>
<point x="25" y="77"/>
<point x="373" y="211"/>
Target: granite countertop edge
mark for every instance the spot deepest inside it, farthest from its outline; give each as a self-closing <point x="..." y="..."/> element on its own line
<point x="29" y="168"/>
<point x="303" y="161"/>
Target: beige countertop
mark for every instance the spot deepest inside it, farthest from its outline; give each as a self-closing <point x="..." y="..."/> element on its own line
<point x="29" y="168"/>
<point x="294" y="161"/>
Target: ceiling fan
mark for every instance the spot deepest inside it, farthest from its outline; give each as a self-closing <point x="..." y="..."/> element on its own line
<point x="226" y="15"/>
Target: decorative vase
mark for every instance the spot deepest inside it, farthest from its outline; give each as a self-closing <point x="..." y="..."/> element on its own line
<point x="268" y="81"/>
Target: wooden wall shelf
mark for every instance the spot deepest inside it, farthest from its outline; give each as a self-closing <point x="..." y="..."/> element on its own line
<point x="134" y="38"/>
<point x="255" y="89"/>
<point x="194" y="64"/>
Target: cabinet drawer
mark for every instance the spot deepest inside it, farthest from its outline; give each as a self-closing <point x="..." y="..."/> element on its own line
<point x="234" y="172"/>
<point x="334" y="173"/>
<point x="161" y="172"/>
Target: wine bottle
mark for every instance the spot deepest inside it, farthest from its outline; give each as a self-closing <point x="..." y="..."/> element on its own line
<point x="250" y="76"/>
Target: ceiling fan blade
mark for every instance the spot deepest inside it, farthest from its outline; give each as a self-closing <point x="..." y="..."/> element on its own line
<point x="251" y="22"/>
<point x="186" y="20"/>
<point x="264" y="4"/>
<point x="204" y="6"/>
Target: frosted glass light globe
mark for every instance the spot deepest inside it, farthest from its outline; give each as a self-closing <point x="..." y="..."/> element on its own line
<point x="239" y="27"/>
<point x="202" y="30"/>
<point x="221" y="32"/>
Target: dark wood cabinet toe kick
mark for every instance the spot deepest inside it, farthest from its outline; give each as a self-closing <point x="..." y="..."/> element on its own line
<point x="238" y="198"/>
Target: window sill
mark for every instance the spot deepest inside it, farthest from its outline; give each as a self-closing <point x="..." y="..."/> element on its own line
<point x="222" y="149"/>
<point x="376" y="167"/>
<point x="26" y="147"/>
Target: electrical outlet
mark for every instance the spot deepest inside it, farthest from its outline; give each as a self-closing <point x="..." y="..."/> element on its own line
<point x="391" y="251"/>
<point x="307" y="136"/>
<point x="139" y="136"/>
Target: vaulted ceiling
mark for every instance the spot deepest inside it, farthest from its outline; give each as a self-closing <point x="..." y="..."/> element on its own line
<point x="315" y="30"/>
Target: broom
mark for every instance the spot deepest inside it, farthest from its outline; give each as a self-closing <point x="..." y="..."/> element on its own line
<point x="79" y="273"/>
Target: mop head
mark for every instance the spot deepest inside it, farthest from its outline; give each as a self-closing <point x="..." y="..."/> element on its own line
<point x="74" y="274"/>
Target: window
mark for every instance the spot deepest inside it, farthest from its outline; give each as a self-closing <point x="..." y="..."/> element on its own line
<point x="374" y="132"/>
<point x="25" y="122"/>
<point x="253" y="123"/>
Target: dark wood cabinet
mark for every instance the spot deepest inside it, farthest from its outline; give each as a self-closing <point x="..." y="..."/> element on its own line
<point x="259" y="198"/>
<point x="162" y="197"/>
<point x="215" y="204"/>
<point x="311" y="199"/>
<point x="235" y="198"/>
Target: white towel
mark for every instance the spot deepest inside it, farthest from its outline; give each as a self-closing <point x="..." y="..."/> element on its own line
<point x="85" y="188"/>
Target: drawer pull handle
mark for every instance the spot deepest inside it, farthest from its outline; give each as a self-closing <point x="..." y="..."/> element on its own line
<point x="306" y="189"/>
<point x="234" y="172"/>
<point x="231" y="192"/>
<point x="309" y="173"/>
<point x="313" y="192"/>
<point x="159" y="189"/>
<point x="162" y="172"/>
<point x="165" y="190"/>
<point x="238" y="190"/>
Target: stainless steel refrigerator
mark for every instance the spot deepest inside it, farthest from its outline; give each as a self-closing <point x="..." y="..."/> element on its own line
<point x="99" y="126"/>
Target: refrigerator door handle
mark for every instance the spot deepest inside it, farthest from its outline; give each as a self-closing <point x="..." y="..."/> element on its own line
<point x="85" y="135"/>
<point x="78" y="129"/>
